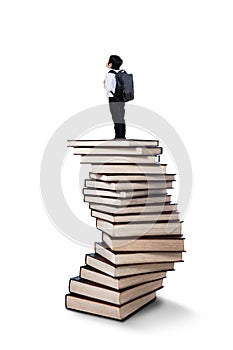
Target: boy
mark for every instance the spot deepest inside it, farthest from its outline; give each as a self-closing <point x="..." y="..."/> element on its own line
<point x="117" y="109"/>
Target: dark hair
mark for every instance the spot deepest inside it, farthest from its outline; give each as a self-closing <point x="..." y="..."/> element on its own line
<point x="116" y="61"/>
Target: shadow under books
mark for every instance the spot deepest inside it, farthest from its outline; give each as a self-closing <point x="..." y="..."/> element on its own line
<point x="160" y="313"/>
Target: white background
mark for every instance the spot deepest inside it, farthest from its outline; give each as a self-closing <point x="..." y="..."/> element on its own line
<point x="53" y="56"/>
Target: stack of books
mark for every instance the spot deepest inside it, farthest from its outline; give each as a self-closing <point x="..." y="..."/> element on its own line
<point x="127" y="192"/>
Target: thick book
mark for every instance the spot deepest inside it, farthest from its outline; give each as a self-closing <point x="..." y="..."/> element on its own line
<point x="139" y="229"/>
<point x="149" y="244"/>
<point x="128" y="168"/>
<point x="92" y="306"/>
<point x="101" y="264"/>
<point x="132" y="177"/>
<point x="135" y="209"/>
<point x="118" y="297"/>
<point x="122" y="258"/>
<point x="141" y="217"/>
<point x="127" y="186"/>
<point x="116" y="151"/>
<point x="113" y="143"/>
<point x="123" y="194"/>
<point x="123" y="202"/>
<point x="91" y="274"/>
<point x="124" y="159"/>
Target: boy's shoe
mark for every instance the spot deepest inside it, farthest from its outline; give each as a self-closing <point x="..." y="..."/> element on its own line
<point x="119" y="130"/>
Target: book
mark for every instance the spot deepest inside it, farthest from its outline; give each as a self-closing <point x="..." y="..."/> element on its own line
<point x="112" y="143"/>
<point x="122" y="194"/>
<point x="139" y="229"/>
<point x="128" y="168"/>
<point x="100" y="263"/>
<point x="91" y="274"/>
<point x="132" y="177"/>
<point x="124" y="159"/>
<point x="127" y="186"/>
<point x="118" y="297"/>
<point x="149" y="208"/>
<point x="124" y="202"/>
<point x="122" y="258"/>
<point x="148" y="244"/>
<point x="116" y="151"/>
<point x="141" y="217"/>
<point x="80" y="303"/>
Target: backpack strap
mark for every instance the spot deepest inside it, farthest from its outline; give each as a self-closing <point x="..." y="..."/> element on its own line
<point x="112" y="71"/>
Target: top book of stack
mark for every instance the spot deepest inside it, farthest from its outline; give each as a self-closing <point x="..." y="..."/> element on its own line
<point x="113" y="147"/>
<point x="113" y="143"/>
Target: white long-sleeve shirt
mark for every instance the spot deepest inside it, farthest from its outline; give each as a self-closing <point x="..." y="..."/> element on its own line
<point x="110" y="83"/>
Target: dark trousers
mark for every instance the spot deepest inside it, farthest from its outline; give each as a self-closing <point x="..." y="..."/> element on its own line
<point x="117" y="110"/>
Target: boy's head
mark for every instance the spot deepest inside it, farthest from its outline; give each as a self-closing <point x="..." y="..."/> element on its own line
<point x="114" y="62"/>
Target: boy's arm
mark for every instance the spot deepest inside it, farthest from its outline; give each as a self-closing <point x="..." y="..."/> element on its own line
<point x="108" y="82"/>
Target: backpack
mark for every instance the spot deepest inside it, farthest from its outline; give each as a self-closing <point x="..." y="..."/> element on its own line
<point x="124" y="91"/>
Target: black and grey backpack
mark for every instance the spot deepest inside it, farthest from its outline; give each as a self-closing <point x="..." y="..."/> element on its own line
<point x="124" y="91"/>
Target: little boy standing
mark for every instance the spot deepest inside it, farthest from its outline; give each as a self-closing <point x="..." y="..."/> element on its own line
<point x="117" y="109"/>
